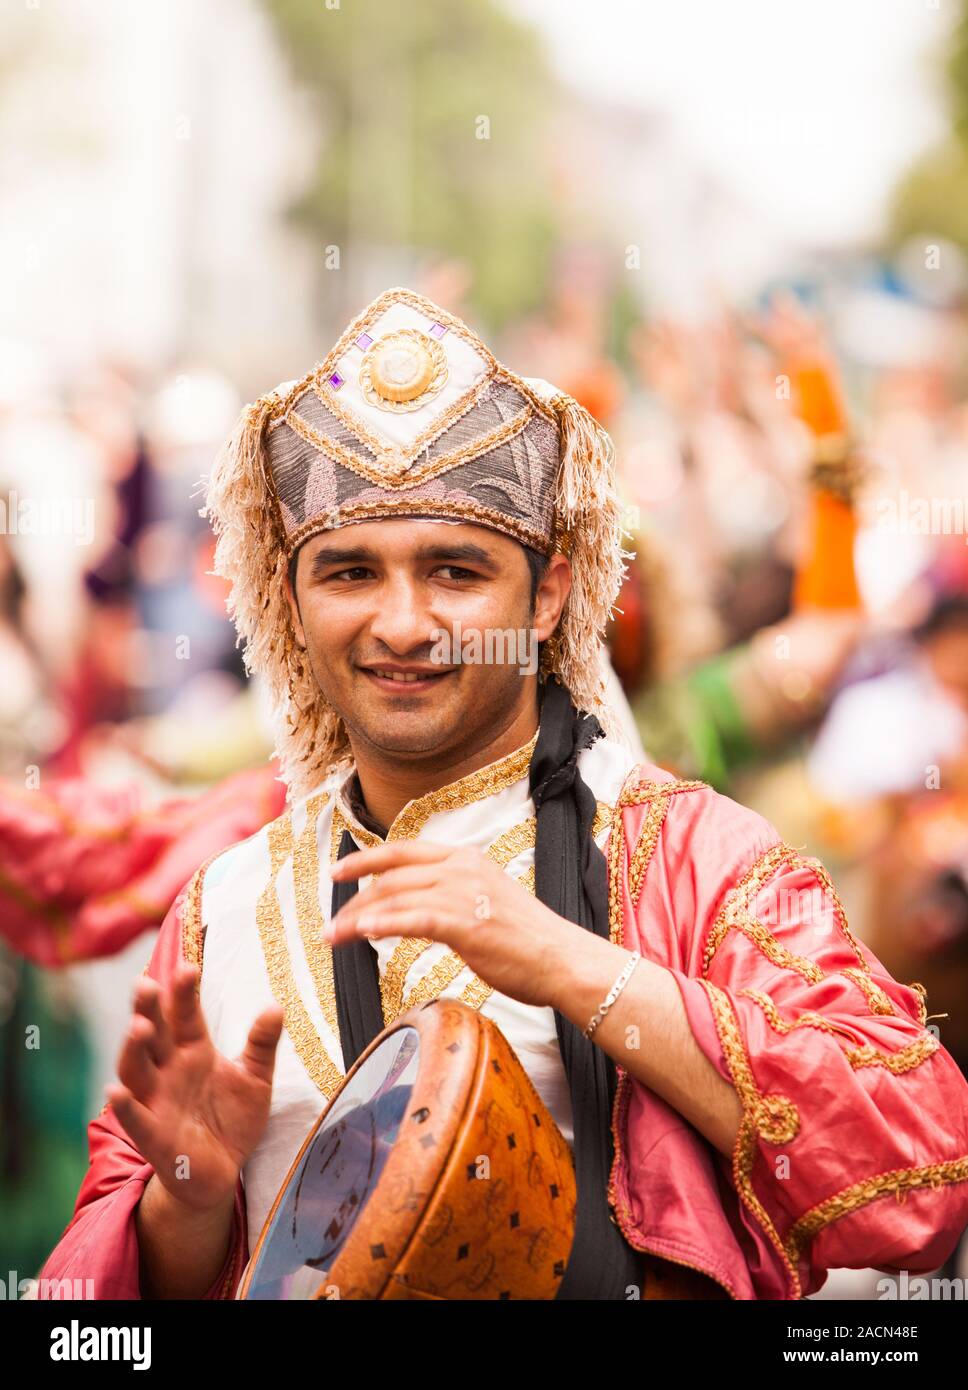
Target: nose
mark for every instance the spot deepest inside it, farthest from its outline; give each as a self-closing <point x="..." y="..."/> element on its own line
<point x="401" y="620"/>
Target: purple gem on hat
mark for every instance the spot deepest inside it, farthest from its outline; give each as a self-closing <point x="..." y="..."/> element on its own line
<point x="436" y="330"/>
<point x="336" y="381"/>
<point x="364" y="341"/>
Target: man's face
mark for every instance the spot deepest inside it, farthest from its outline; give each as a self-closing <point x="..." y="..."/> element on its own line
<point x="377" y="596"/>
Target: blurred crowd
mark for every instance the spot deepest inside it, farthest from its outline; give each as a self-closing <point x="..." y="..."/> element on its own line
<point x="793" y="630"/>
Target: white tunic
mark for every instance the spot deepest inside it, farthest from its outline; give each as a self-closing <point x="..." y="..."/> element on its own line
<point x="265" y="901"/>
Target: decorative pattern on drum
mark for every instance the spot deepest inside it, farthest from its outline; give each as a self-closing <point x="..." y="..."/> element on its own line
<point x="435" y="1173"/>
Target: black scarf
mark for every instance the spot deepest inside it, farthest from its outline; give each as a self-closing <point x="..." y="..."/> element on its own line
<point x="571" y="878"/>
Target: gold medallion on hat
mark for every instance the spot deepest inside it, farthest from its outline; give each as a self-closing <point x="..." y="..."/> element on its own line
<point x="403" y="370"/>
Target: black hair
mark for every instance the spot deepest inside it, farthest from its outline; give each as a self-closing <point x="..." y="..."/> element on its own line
<point x="537" y="565"/>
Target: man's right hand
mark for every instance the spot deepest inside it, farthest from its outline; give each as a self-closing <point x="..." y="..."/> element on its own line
<point x="192" y="1113"/>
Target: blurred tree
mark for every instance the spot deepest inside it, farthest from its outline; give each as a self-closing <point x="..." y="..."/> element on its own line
<point x="933" y="196"/>
<point x="434" y="137"/>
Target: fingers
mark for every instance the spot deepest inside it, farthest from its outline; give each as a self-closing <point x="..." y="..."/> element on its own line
<point x="258" y="1057"/>
<point x="184" y="1011"/>
<point x="147" y="1002"/>
<point x="413" y="921"/>
<point x="160" y="1022"/>
<point x="403" y="914"/>
<point x="404" y="879"/>
<point x="136" y="1064"/>
<point x="389" y="856"/>
<point x="136" y="1120"/>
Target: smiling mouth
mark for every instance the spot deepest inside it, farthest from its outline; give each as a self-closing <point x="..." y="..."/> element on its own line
<point x="413" y="682"/>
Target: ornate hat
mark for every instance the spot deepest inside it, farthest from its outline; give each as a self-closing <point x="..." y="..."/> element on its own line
<point x="410" y="415"/>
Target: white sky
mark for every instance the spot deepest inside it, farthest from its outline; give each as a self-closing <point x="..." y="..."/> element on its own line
<point x="808" y="108"/>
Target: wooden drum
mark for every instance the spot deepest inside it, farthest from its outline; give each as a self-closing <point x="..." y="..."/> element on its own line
<point x="435" y="1172"/>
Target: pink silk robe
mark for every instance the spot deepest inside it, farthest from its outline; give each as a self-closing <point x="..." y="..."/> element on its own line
<point x="853" y="1148"/>
<point x="85" y="869"/>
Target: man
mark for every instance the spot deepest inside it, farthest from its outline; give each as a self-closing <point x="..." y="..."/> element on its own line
<point x="777" y="1091"/>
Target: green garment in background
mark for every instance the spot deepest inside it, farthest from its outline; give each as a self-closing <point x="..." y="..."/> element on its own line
<point x="693" y="726"/>
<point x="45" y="1077"/>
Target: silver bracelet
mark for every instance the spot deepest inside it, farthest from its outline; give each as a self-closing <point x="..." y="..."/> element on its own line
<point x="613" y="994"/>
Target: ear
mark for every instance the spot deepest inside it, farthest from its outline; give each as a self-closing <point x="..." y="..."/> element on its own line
<point x="551" y="596"/>
<point x="294" y="610"/>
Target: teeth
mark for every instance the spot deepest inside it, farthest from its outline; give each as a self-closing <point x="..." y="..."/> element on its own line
<point x="404" y="675"/>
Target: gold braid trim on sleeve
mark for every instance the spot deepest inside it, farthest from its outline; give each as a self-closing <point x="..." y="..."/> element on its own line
<point x="922" y="994"/>
<point x="767" y="943"/>
<point x="734" y="914"/>
<point x="805" y="1020"/>
<point x="634" y="793"/>
<point x="825" y="880"/>
<point x="772" y="1118"/>
<point x="905" y="1059"/>
<point x="877" y="1000"/>
<point x="745" y="890"/>
<point x="898" y="1181"/>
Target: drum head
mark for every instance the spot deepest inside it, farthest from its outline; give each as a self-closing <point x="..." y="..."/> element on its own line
<point x="336" y="1174"/>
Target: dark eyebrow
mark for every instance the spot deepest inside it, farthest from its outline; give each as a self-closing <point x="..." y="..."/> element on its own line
<point x="361" y="554"/>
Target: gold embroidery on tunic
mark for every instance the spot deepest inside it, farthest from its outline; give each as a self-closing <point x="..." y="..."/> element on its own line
<point x="193" y="933"/>
<point x="476" y="993"/>
<point x="634" y="793"/>
<point x="922" y="994"/>
<point x="752" y="884"/>
<point x="616" y="845"/>
<point x="866" y="1055"/>
<point x="818" y="868"/>
<point x="772" y="1118"/>
<point x="772" y="949"/>
<point x="394" y="979"/>
<point x="898" y="1181"/>
<point x="877" y="1000"/>
<point x="512" y="843"/>
<point x="306" y="1041"/>
<point x="486" y="781"/>
<point x="906" y="1058"/>
<point x="805" y="1020"/>
<point x="749" y="886"/>
<point x="193" y="929"/>
<point x="436" y="980"/>
<point x="305" y="874"/>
